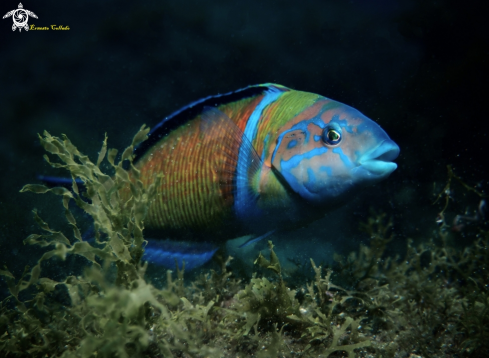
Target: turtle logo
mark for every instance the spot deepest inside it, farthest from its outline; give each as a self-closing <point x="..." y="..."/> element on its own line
<point x="20" y="17"/>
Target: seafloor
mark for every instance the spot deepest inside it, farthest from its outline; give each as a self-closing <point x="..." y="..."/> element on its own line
<point x="431" y="302"/>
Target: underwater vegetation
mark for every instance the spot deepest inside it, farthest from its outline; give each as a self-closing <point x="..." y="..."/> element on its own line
<point x="434" y="302"/>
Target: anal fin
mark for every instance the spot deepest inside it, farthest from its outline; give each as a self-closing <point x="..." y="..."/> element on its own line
<point x="166" y="253"/>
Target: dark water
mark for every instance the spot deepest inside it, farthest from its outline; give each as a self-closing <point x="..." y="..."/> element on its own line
<point x="419" y="68"/>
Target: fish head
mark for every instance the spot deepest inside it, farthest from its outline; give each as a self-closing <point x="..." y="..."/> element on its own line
<point x="330" y="151"/>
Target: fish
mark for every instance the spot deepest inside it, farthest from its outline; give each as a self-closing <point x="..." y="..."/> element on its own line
<point x="257" y="161"/>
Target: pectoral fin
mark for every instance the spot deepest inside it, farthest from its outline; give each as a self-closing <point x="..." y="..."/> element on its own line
<point x="256" y="239"/>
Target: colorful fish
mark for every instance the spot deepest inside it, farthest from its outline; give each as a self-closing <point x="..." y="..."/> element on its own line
<point x="259" y="160"/>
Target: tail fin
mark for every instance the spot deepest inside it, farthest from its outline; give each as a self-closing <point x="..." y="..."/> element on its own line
<point x="58" y="181"/>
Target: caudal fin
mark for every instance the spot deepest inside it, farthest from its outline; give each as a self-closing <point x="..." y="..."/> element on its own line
<point x="59" y="181"/>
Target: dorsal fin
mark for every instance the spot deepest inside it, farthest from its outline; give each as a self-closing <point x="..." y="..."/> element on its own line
<point x="190" y="111"/>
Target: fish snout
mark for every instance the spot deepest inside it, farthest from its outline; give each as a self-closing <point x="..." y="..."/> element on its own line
<point x="378" y="162"/>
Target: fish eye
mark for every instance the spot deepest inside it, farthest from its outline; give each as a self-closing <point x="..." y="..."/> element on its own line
<point x="331" y="136"/>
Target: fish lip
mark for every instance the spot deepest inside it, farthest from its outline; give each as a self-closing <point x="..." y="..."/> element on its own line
<point x="386" y="151"/>
<point x="379" y="161"/>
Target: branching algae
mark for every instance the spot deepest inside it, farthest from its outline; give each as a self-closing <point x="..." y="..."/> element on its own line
<point x="433" y="303"/>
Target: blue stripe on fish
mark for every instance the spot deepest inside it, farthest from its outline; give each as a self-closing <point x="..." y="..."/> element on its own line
<point x="343" y="123"/>
<point x="265" y="145"/>
<point x="299" y="126"/>
<point x="241" y="203"/>
<point x="310" y="176"/>
<point x="344" y="158"/>
<point x="288" y="165"/>
<point x="297" y="159"/>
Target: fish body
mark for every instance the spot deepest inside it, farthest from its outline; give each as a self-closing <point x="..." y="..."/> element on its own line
<point x="261" y="159"/>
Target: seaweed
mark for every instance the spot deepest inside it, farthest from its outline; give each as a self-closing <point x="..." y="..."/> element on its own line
<point x="433" y="302"/>
<point x="268" y="300"/>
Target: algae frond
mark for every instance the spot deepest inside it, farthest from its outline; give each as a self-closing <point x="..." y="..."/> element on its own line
<point x="432" y="303"/>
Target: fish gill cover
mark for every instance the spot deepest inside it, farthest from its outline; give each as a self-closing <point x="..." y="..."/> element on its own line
<point x="432" y="303"/>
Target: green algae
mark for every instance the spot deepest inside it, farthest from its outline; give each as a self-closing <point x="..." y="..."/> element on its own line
<point x="432" y="303"/>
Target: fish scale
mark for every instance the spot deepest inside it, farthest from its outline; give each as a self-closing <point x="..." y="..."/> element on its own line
<point x="188" y="206"/>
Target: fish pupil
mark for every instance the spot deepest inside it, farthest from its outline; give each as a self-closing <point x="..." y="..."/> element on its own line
<point x="333" y="135"/>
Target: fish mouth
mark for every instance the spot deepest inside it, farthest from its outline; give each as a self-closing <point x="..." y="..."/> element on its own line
<point x="379" y="161"/>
